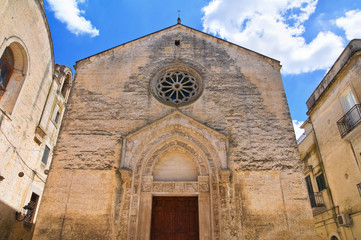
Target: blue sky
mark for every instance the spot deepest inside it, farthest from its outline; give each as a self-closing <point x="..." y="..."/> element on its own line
<point x="307" y="36"/>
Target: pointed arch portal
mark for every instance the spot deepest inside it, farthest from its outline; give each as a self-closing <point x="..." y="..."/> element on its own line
<point x="175" y="156"/>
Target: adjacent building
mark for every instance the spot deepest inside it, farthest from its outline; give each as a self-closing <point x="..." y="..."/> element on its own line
<point x="33" y="96"/>
<point x="331" y="148"/>
<point x="176" y="135"/>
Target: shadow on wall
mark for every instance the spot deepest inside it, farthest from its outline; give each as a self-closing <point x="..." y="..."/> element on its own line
<point x="10" y="228"/>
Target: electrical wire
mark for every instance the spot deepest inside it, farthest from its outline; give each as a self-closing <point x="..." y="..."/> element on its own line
<point x="22" y="160"/>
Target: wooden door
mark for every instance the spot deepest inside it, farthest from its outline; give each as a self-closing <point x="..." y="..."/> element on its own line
<point x="175" y="218"/>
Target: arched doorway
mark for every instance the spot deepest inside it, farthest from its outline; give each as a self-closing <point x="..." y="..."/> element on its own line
<point x="178" y="161"/>
<point x="153" y="184"/>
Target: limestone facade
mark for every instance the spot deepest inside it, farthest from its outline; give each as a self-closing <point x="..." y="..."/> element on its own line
<point x="231" y="145"/>
<point x="32" y="102"/>
<point x="331" y="146"/>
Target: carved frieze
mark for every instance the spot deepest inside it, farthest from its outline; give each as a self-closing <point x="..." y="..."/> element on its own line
<point x="179" y="187"/>
<point x="146" y="187"/>
<point x="191" y="187"/>
<point x="203" y="187"/>
<point x="175" y="187"/>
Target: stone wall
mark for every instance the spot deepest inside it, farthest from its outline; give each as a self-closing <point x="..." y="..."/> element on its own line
<point x="29" y="99"/>
<point x="243" y="99"/>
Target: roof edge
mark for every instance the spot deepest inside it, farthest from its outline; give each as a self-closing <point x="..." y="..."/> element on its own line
<point x="351" y="50"/>
<point x="179" y="24"/>
<point x="303" y="125"/>
<point x="40" y="4"/>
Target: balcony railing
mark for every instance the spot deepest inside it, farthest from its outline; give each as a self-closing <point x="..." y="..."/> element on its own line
<point x="350" y="120"/>
<point x="316" y="200"/>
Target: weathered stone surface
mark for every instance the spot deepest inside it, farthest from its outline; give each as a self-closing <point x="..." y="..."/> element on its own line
<point x="241" y="122"/>
<point x="31" y="108"/>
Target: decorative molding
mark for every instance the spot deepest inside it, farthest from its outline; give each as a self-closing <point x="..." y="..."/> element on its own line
<point x="141" y="151"/>
<point x="126" y="174"/>
<point x="224" y="175"/>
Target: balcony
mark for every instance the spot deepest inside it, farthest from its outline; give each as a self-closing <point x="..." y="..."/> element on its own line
<point x="350" y="120"/>
<point x="316" y="200"/>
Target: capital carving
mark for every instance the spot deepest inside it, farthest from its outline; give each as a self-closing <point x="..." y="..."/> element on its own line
<point x="126" y="174"/>
<point x="224" y="175"/>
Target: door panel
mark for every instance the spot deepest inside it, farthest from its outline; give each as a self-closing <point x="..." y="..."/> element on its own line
<point x="175" y="218"/>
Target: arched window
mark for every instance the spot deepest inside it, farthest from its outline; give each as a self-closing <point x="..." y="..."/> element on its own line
<point x="6" y="69"/>
<point x="64" y="78"/>
<point x="13" y="72"/>
<point x="66" y="87"/>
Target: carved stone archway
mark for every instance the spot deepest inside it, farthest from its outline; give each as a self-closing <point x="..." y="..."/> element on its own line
<point x="141" y="150"/>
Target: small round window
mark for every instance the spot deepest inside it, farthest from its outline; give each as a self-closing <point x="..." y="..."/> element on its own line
<point x="177" y="88"/>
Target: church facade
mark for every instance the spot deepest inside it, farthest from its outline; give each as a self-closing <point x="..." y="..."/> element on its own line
<point x="176" y="135"/>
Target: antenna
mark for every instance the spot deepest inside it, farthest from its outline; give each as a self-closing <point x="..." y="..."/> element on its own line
<point x="179" y="20"/>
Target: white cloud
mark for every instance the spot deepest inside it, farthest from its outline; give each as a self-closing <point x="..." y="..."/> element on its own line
<point x="351" y="23"/>
<point x="297" y="127"/>
<point x="68" y="12"/>
<point x="274" y="28"/>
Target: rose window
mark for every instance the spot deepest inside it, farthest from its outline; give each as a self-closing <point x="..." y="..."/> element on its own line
<point x="177" y="88"/>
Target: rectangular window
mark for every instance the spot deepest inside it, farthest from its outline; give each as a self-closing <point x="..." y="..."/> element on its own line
<point x="56" y="114"/>
<point x="321" y="184"/>
<point x="44" y="160"/>
<point x="347" y="99"/>
<point x="57" y="117"/>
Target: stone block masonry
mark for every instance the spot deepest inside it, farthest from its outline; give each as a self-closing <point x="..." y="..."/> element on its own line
<point x="115" y="132"/>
